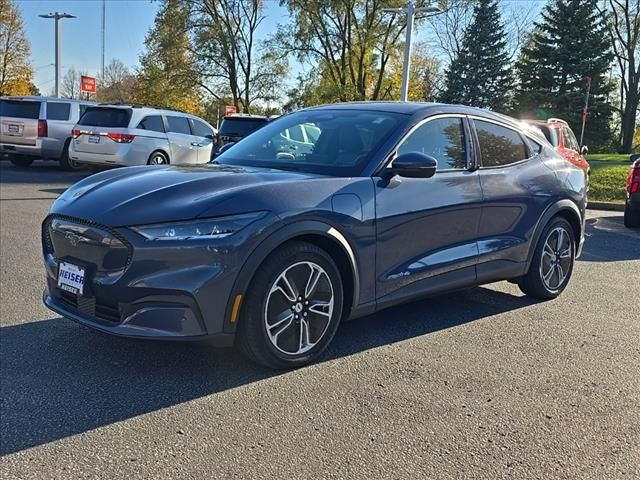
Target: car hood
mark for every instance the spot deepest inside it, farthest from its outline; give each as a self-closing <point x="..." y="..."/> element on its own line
<point x="143" y="195"/>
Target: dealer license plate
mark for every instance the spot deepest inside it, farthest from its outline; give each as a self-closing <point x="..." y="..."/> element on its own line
<point x="71" y="278"/>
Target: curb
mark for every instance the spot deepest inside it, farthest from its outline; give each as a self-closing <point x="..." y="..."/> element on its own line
<point x="615" y="207"/>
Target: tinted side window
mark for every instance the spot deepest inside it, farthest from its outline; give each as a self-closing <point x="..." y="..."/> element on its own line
<point x="179" y="125"/>
<point x="443" y="139"/>
<point x="153" y="123"/>
<point x="499" y="145"/>
<point x="570" y="140"/>
<point x="58" y="111"/>
<point x="200" y="129"/>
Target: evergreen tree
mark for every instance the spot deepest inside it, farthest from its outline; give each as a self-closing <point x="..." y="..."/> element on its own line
<point x="479" y="74"/>
<point x="569" y="44"/>
<point x="167" y="77"/>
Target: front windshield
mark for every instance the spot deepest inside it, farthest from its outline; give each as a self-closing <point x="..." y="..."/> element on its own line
<point x="336" y="142"/>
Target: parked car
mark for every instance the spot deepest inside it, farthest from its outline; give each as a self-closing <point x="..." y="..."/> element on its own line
<point x="632" y="203"/>
<point x="129" y="135"/>
<point x="237" y="126"/>
<point x="38" y="127"/>
<point x="394" y="202"/>
<point x="560" y="135"/>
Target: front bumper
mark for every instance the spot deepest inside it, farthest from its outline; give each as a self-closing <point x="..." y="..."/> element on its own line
<point x="170" y="290"/>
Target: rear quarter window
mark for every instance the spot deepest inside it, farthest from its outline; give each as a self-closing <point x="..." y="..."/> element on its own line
<point x="19" y="109"/>
<point x="106" y="117"/>
<point x="58" y="110"/>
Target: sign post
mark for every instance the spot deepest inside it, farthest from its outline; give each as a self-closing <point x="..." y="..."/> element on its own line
<point x="87" y="84"/>
<point x="585" y="109"/>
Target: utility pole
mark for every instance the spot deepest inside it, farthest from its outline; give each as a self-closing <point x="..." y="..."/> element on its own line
<point x="57" y="17"/>
<point x="104" y="8"/>
<point x="410" y="11"/>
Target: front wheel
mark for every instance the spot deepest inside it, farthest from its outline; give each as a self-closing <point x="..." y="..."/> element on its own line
<point x="293" y="307"/>
<point x="552" y="263"/>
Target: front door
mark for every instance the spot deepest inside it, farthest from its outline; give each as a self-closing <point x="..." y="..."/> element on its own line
<point x="427" y="227"/>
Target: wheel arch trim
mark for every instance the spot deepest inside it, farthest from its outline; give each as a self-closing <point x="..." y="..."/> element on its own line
<point x="284" y="234"/>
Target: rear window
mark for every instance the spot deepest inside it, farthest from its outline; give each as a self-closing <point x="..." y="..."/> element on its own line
<point x="19" y="109"/>
<point x="240" y="127"/>
<point x="106" y="117"/>
<point x="58" y="111"/>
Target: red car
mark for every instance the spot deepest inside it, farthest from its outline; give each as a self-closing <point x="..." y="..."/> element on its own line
<point x="563" y="140"/>
<point x="632" y="203"/>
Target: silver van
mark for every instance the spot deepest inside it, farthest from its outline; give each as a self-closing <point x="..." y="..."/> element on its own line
<point x="38" y="127"/>
<point x="127" y="135"/>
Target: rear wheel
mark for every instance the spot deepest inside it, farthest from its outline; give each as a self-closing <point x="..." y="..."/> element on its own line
<point x="66" y="163"/>
<point x="21" y="162"/>
<point x="293" y="307"/>
<point x="158" y="158"/>
<point x="631" y="217"/>
<point x="552" y="262"/>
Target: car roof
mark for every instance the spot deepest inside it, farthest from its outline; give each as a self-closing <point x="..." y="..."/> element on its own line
<point x="419" y="108"/>
<point x="46" y="99"/>
<point x="245" y="116"/>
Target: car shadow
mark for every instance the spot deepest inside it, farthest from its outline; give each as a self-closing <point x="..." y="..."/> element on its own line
<point x="40" y="171"/>
<point x="608" y="240"/>
<point x="60" y="379"/>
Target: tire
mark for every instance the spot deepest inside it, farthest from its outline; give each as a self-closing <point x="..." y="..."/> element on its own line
<point x="309" y="322"/>
<point x="631" y="217"/>
<point x="66" y="163"/>
<point x="545" y="256"/>
<point x="158" y="158"/>
<point x="21" y="162"/>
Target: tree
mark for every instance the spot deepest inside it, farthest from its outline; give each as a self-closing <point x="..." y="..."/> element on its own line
<point x="70" y="86"/>
<point x="15" y="71"/>
<point x="479" y="74"/>
<point x="349" y="44"/>
<point x="569" y="44"/>
<point x="623" y="26"/>
<point x="167" y="76"/>
<point x="231" y="61"/>
<point x="117" y="85"/>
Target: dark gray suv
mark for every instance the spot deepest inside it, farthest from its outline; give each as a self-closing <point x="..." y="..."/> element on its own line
<point x="272" y="247"/>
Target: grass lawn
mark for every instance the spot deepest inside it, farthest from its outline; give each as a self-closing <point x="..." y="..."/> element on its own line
<point x="608" y="176"/>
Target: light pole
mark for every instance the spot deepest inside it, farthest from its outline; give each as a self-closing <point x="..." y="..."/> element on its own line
<point x="410" y="11"/>
<point x="58" y="16"/>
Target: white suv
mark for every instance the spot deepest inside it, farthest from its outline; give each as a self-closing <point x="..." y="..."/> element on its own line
<point x="133" y="135"/>
<point x="38" y="127"/>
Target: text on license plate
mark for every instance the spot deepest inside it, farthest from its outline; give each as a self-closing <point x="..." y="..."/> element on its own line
<point x="70" y="278"/>
<point x="14" y="129"/>
<point x="94" y="139"/>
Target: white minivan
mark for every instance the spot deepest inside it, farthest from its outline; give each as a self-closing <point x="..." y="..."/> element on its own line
<point x="127" y="135"/>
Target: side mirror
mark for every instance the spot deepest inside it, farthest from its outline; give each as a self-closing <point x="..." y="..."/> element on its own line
<point x="584" y="150"/>
<point x="414" y="165"/>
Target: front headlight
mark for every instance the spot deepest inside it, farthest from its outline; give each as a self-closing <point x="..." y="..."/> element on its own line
<point x="206" y="228"/>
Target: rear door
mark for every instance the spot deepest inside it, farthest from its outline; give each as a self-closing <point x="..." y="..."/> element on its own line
<point x="184" y="147"/>
<point x="515" y="187"/>
<point x="19" y="121"/>
<point x="59" y="122"/>
<point x="427" y="227"/>
<point x="96" y="124"/>
<point x="203" y="136"/>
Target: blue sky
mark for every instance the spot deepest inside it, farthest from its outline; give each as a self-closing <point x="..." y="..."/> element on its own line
<point x="127" y="23"/>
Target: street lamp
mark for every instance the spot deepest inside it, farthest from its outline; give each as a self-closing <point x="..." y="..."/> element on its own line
<point x="58" y="16"/>
<point x="410" y="12"/>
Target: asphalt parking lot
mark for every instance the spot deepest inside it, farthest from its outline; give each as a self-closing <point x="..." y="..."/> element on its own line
<point x="482" y="383"/>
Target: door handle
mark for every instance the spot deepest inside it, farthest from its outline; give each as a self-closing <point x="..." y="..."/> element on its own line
<point x="196" y="144"/>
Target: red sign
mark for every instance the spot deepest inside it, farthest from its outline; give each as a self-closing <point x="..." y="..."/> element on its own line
<point x="87" y="84"/>
<point x="230" y="109"/>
